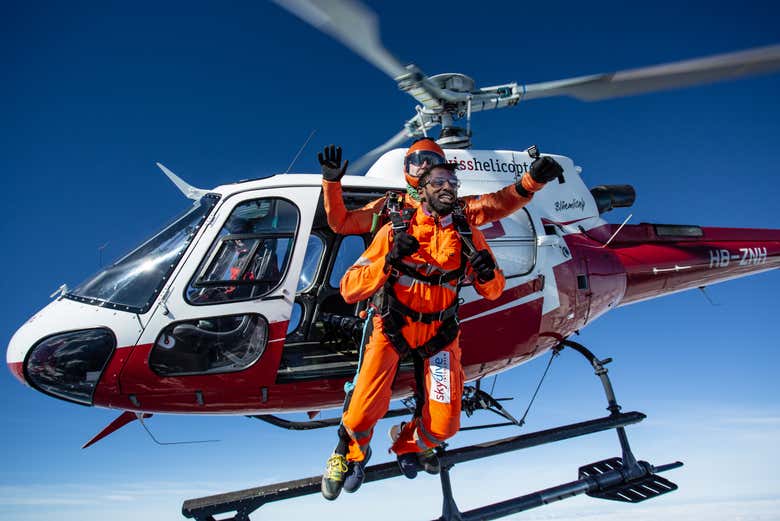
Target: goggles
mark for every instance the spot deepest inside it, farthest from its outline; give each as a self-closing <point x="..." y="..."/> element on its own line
<point x="441" y="181"/>
<point x="421" y="157"/>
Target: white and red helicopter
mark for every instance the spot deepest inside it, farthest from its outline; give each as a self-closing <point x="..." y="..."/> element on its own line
<point x="234" y="308"/>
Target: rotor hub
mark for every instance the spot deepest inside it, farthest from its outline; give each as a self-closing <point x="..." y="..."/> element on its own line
<point x="454" y="81"/>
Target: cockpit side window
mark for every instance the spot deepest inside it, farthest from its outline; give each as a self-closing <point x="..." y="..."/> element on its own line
<point x="250" y="256"/>
<point x="513" y="241"/>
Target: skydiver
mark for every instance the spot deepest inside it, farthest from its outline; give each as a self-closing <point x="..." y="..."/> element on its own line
<point x="413" y="269"/>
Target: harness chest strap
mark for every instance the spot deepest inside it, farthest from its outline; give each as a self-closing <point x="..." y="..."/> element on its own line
<point x="393" y="311"/>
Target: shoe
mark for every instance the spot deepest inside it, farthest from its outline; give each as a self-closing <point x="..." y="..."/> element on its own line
<point x="409" y="464"/>
<point x="333" y="479"/>
<point x="356" y="473"/>
<point x="429" y="461"/>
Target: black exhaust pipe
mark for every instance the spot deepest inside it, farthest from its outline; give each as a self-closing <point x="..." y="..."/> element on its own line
<point x="613" y="196"/>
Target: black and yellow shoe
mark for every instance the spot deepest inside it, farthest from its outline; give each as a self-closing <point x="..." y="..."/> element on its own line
<point x="333" y="478"/>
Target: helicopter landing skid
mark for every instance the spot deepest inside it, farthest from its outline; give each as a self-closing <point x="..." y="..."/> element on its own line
<point x="620" y="479"/>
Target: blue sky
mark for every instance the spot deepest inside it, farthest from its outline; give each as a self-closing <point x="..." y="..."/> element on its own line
<point x="94" y="93"/>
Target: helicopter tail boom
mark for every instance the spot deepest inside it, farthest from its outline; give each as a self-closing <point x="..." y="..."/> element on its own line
<point x="664" y="259"/>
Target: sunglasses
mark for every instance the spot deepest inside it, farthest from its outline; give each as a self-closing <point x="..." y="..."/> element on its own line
<point x="421" y="157"/>
<point x="441" y="181"/>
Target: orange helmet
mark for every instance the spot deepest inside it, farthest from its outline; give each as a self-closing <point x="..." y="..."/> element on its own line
<point x="424" y="150"/>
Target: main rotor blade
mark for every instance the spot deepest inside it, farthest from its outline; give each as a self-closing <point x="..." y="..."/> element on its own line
<point x="660" y="77"/>
<point x="367" y="159"/>
<point x="352" y="24"/>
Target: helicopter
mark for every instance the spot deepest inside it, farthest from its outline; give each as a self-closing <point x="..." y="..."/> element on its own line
<point x="160" y="374"/>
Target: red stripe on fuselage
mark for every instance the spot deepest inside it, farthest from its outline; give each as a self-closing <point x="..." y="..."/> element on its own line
<point x="480" y="306"/>
<point x="17" y="370"/>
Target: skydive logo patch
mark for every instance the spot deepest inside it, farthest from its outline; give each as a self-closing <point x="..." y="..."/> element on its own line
<point x="440" y="377"/>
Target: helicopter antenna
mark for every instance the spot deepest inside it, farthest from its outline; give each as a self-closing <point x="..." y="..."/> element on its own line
<point x="300" y="150"/>
<point x="189" y="191"/>
<point x="149" y="432"/>
<point x="617" y="231"/>
<point x="703" y="290"/>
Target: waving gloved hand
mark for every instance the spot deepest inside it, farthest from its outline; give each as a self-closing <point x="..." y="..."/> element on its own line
<point x="542" y="171"/>
<point x="484" y="265"/>
<point x="403" y="245"/>
<point x="545" y="169"/>
<point x="330" y="161"/>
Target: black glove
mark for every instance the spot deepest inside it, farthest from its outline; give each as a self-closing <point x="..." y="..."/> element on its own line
<point x="545" y="169"/>
<point x="403" y="245"/>
<point x="330" y="161"/>
<point x="484" y="265"/>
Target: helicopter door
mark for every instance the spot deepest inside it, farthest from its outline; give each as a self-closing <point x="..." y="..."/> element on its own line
<point x="502" y="328"/>
<point x="216" y="336"/>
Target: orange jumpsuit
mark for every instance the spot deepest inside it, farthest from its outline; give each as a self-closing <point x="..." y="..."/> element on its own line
<point x="479" y="210"/>
<point x="440" y="251"/>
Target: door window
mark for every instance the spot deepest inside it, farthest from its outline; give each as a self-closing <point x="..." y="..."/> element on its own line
<point x="513" y="242"/>
<point x="251" y="254"/>
<point x="209" y="345"/>
<point x="311" y="261"/>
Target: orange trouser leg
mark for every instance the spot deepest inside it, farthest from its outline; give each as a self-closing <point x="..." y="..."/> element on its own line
<point x="371" y="395"/>
<point x="441" y="409"/>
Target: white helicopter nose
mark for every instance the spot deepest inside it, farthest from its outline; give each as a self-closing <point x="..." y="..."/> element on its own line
<point x="61" y="357"/>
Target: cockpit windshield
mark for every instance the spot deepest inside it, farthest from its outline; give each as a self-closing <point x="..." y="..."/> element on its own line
<point x="134" y="281"/>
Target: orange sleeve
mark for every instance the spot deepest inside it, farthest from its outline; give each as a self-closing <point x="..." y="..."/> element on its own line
<point x="486" y="208"/>
<point x="367" y="275"/>
<point x="343" y="221"/>
<point x="491" y="289"/>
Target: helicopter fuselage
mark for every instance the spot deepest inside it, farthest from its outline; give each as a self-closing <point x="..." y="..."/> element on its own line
<point x="235" y="309"/>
